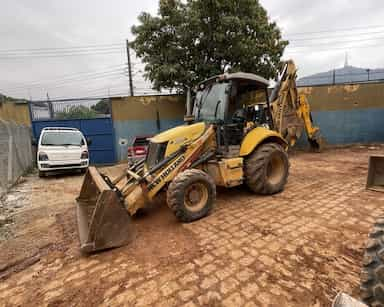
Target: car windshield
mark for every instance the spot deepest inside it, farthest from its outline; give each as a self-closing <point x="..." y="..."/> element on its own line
<point x="211" y="101"/>
<point x="66" y="138"/>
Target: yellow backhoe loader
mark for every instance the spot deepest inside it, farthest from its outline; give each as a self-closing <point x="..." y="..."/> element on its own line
<point x="222" y="144"/>
<point x="227" y="141"/>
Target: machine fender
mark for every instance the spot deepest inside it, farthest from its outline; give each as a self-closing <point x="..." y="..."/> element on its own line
<point x="257" y="136"/>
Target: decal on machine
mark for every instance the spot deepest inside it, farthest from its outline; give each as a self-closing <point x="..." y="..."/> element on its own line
<point x="166" y="172"/>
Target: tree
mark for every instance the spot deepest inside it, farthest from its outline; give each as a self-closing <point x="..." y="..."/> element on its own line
<point x="102" y="107"/>
<point x="76" y="112"/>
<point x="190" y="41"/>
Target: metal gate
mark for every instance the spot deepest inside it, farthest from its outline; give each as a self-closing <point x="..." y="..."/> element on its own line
<point x="92" y="116"/>
<point x="99" y="130"/>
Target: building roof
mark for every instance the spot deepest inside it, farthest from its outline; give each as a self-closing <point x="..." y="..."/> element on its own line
<point x="347" y="74"/>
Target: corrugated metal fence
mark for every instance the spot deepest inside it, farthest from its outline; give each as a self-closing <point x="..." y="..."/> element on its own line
<point x="15" y="153"/>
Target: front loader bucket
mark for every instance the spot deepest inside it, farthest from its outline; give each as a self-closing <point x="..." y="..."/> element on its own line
<point x="375" y="179"/>
<point x="103" y="221"/>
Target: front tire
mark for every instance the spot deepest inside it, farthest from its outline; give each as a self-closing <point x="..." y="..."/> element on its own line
<point x="191" y="195"/>
<point x="372" y="274"/>
<point x="266" y="169"/>
<point x="42" y="174"/>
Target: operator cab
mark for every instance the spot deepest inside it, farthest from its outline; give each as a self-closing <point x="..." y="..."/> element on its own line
<point x="235" y="103"/>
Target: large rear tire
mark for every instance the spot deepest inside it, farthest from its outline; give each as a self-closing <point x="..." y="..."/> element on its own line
<point x="191" y="195"/>
<point x="372" y="274"/>
<point x="266" y="169"/>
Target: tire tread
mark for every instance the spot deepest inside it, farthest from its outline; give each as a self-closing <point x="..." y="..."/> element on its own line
<point x="372" y="285"/>
<point x="254" y="169"/>
<point x="175" y="195"/>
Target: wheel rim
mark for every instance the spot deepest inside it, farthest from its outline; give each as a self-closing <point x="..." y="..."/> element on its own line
<point x="196" y="196"/>
<point x="275" y="169"/>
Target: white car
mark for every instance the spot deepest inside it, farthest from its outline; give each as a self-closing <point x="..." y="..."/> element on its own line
<point x="61" y="148"/>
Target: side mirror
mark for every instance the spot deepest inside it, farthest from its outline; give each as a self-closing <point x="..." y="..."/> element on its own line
<point x="89" y="141"/>
<point x="34" y="142"/>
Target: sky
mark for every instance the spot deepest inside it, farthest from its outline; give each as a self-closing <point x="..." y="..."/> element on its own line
<point x="74" y="48"/>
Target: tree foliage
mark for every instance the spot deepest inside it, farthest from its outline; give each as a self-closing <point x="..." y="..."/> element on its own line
<point x="102" y="107"/>
<point x="76" y="112"/>
<point x="4" y="99"/>
<point x="189" y="41"/>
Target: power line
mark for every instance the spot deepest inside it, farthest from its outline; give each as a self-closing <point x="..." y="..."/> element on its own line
<point x="336" y="48"/>
<point x="74" y="78"/>
<point x="60" y="48"/>
<point x="57" y="86"/>
<point x="28" y="57"/>
<point x="104" y="77"/>
<point x="80" y="73"/>
<point x="108" y="88"/>
<point x="61" y="52"/>
<point x="340" y="42"/>
<point x="330" y="36"/>
<point x="97" y="97"/>
<point x="334" y="30"/>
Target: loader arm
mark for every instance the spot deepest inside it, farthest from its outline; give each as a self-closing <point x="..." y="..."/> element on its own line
<point x="137" y="188"/>
<point x="291" y="111"/>
<point x="183" y="160"/>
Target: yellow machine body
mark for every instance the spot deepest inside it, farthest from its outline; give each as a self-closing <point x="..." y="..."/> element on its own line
<point x="226" y="172"/>
<point x="257" y="136"/>
<point x="178" y="136"/>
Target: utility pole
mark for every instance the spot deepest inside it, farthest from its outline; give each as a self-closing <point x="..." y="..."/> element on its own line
<point x="129" y="70"/>
<point x="368" y="71"/>
<point x="50" y="107"/>
<point x="334" y="77"/>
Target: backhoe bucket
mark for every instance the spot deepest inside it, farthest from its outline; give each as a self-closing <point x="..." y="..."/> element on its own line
<point x="317" y="142"/>
<point x="375" y="179"/>
<point x="103" y="221"/>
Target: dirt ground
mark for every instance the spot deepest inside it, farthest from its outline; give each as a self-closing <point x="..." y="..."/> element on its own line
<point x="297" y="248"/>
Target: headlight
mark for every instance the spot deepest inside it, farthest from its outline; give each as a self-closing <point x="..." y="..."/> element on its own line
<point x="43" y="156"/>
<point x="84" y="155"/>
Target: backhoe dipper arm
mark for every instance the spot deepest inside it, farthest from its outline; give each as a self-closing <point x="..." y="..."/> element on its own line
<point x="291" y="110"/>
<point x="305" y="113"/>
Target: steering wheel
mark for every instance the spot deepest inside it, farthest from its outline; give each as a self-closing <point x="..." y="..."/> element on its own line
<point x="239" y="116"/>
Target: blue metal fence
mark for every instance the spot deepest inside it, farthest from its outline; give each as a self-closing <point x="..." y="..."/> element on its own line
<point x="99" y="130"/>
